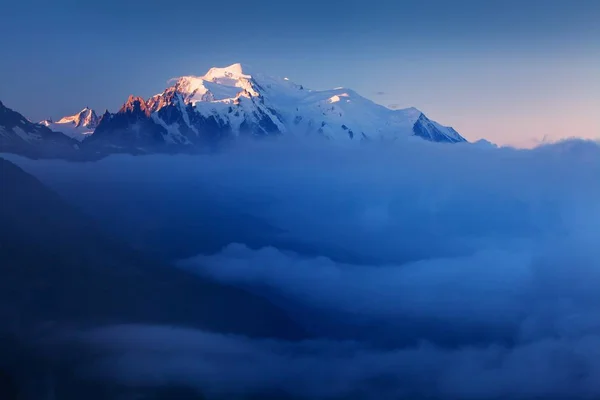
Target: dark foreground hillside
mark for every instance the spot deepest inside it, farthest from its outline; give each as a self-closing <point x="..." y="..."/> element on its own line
<point x="57" y="269"/>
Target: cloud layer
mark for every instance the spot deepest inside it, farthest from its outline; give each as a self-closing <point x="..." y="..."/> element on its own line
<point x="424" y="270"/>
<point x="217" y="365"/>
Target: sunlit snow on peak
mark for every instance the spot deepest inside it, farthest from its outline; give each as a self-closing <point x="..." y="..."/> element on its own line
<point x="77" y="126"/>
<point x="217" y="84"/>
<point x="338" y="97"/>
<point x="234" y="71"/>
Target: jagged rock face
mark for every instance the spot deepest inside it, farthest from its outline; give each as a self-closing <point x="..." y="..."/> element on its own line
<point x="131" y="127"/>
<point x="169" y="96"/>
<point x="135" y="106"/>
<point x="171" y="111"/>
<point x="89" y="119"/>
<point x="86" y="118"/>
<point x="222" y="104"/>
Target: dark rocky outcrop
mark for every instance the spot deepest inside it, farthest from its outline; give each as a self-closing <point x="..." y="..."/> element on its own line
<point x="130" y="128"/>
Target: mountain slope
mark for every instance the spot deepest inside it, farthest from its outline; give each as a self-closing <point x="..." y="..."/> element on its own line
<point x="56" y="266"/>
<point x="77" y="126"/>
<point x="232" y="101"/>
<point x="21" y="136"/>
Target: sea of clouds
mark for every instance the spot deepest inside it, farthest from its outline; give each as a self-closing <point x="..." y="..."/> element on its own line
<point x="422" y="271"/>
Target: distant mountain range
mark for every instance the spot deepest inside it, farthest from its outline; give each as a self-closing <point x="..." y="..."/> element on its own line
<point x="21" y="136"/>
<point x="225" y="103"/>
<point x="78" y="126"/>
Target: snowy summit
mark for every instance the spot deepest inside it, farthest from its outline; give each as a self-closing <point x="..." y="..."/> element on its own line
<point x="235" y="100"/>
<point x="224" y="103"/>
<point x="77" y="126"/>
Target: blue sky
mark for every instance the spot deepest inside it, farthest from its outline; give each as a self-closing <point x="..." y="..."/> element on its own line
<point x="512" y="71"/>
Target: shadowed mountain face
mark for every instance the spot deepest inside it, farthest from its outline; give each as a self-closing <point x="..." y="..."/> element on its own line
<point x="56" y="266"/>
<point x="58" y="271"/>
<point x="131" y="125"/>
<point x="21" y="136"/>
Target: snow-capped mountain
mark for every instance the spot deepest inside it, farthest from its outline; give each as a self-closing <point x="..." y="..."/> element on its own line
<point x="233" y="101"/>
<point x="196" y="112"/>
<point x="77" y="126"/>
<point x="19" y="135"/>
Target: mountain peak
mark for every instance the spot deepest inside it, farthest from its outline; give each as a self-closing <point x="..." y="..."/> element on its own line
<point x="21" y="136"/>
<point x="234" y="71"/>
<point x="85" y="118"/>
<point x="217" y="84"/>
<point x="132" y="99"/>
<point x="134" y="105"/>
<point x="76" y="126"/>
